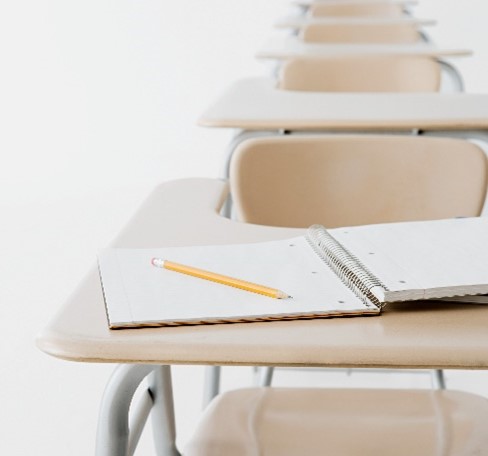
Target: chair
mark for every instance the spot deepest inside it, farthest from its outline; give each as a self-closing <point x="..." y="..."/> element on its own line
<point x="361" y="33"/>
<point x="369" y="9"/>
<point x="296" y="181"/>
<point x="362" y="74"/>
<point x="344" y="180"/>
<point x="303" y="422"/>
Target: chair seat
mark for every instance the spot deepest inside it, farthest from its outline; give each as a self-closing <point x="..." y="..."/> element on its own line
<point x="363" y="422"/>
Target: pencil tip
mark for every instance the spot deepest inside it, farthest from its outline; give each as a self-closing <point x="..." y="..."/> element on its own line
<point x="282" y="295"/>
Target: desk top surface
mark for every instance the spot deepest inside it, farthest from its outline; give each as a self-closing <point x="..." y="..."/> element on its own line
<point x="287" y="47"/>
<point x="415" y="335"/>
<point x="349" y="2"/>
<point x="301" y="21"/>
<point x="256" y="104"/>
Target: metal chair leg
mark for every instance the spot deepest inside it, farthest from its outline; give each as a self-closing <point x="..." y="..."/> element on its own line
<point x="454" y="74"/>
<point x="163" y="416"/>
<point x="114" y="437"/>
<point x="265" y="375"/>
<point x="438" y="380"/>
<point x="137" y="420"/>
<point x="113" y="421"/>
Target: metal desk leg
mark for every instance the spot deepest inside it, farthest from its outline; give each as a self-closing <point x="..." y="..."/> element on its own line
<point x="113" y="434"/>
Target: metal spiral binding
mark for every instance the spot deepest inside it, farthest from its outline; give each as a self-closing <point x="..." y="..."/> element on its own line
<point x="347" y="267"/>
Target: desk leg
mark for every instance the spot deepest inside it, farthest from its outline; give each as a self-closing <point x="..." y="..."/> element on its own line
<point x="113" y="422"/>
<point x="212" y="384"/>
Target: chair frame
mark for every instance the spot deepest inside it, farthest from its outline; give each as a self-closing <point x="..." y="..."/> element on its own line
<point x="116" y="434"/>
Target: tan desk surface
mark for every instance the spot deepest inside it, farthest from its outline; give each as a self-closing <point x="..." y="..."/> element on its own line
<point x="348" y="2"/>
<point x="300" y="21"/>
<point x="185" y="212"/>
<point x="287" y="47"/>
<point x="256" y="104"/>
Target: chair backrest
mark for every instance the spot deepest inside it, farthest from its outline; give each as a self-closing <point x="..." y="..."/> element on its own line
<point x="360" y="33"/>
<point x="369" y="9"/>
<point x="296" y="181"/>
<point x="362" y="74"/>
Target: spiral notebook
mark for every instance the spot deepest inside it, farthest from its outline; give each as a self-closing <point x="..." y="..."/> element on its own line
<point x="328" y="273"/>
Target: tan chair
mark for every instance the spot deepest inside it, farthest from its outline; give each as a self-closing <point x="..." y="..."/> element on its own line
<point x="310" y="422"/>
<point x="348" y="180"/>
<point x="362" y="74"/>
<point x="369" y="9"/>
<point x="361" y="33"/>
<point x="297" y="181"/>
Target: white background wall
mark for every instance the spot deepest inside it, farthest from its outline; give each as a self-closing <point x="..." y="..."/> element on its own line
<point x="98" y="103"/>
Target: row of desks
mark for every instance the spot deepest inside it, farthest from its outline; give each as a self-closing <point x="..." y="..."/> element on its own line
<point x="80" y="330"/>
<point x="168" y="218"/>
<point x="186" y="212"/>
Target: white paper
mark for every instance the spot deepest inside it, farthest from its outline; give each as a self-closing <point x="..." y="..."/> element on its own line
<point x="138" y="293"/>
<point x="423" y="260"/>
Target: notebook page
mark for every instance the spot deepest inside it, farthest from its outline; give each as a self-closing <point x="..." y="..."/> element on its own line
<point x="423" y="260"/>
<point x="136" y="292"/>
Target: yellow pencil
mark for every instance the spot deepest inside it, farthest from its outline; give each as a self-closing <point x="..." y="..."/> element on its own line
<point x="224" y="280"/>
